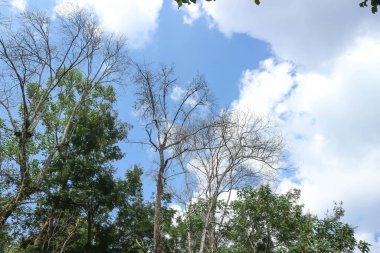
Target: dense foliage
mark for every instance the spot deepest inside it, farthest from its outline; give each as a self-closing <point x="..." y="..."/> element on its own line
<point x="260" y="220"/>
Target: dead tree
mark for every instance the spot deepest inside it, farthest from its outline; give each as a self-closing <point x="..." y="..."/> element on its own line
<point x="238" y="149"/>
<point x="36" y="54"/>
<point x="169" y="113"/>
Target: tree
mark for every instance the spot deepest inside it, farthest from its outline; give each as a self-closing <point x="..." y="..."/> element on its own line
<point x="37" y="57"/>
<point x="169" y="112"/>
<point x="79" y="189"/>
<point x="237" y="149"/>
<point x="263" y="221"/>
<point x="133" y="227"/>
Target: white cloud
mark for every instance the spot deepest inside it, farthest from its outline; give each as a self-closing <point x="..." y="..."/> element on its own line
<point x="191" y="12"/>
<point x="265" y="86"/>
<point x="374" y="241"/>
<point x="138" y="20"/>
<point x="308" y="32"/>
<point x="179" y="212"/>
<point x="325" y="96"/>
<point x="19" y="5"/>
<point x="331" y="123"/>
<point x="179" y="93"/>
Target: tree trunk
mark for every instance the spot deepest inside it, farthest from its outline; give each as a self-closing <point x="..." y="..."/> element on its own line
<point x="89" y="231"/>
<point x="23" y="137"/>
<point x="157" y="207"/>
<point x="189" y="239"/>
<point x="204" y="232"/>
<point x="7" y="211"/>
<point x="44" y="226"/>
<point x="209" y="215"/>
<point x="213" y="241"/>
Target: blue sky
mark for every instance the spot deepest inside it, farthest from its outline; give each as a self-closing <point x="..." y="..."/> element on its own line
<point x="314" y="61"/>
<point x="192" y="49"/>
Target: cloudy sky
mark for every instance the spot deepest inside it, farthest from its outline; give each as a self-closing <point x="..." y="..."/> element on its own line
<point x="312" y="65"/>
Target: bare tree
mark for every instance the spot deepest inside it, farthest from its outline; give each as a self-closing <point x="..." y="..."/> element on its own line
<point x="37" y="54"/>
<point x="169" y="112"/>
<point x="237" y="149"/>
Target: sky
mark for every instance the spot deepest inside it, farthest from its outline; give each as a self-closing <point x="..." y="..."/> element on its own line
<point x="312" y="65"/>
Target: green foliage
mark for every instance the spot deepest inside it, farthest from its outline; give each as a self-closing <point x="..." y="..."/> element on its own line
<point x="262" y="221"/>
<point x="134" y="222"/>
<point x="80" y="193"/>
<point x="374" y="5"/>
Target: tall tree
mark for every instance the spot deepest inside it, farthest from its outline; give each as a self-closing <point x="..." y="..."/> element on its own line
<point x="169" y="112"/>
<point x="79" y="187"/>
<point x="36" y="55"/>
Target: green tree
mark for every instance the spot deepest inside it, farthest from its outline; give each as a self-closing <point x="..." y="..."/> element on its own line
<point x="79" y="188"/>
<point x="37" y="57"/>
<point x="133" y="227"/>
<point x="263" y="221"/>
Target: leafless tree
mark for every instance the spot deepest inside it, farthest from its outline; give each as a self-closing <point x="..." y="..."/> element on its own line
<point x="237" y="149"/>
<point x="169" y="112"/>
<point x="38" y="51"/>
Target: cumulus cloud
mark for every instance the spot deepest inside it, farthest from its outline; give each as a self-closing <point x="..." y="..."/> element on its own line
<point x="331" y="123"/>
<point x="19" y="5"/>
<point x="138" y="20"/>
<point x="266" y="87"/>
<point x="322" y="87"/>
<point x="307" y="32"/>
